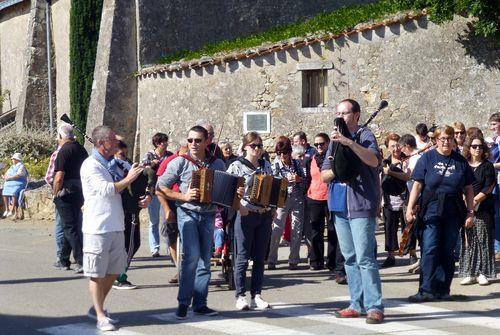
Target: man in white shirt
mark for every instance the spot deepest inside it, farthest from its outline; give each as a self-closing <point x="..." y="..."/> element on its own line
<point x="104" y="256"/>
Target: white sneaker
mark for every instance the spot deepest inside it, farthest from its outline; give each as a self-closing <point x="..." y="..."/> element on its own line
<point x="482" y="280"/>
<point x="105" y="325"/>
<point x="242" y="304"/>
<point x="9" y="213"/>
<point x="259" y="303"/>
<point x="5" y="214"/>
<point x="468" y="281"/>
<point x="91" y="314"/>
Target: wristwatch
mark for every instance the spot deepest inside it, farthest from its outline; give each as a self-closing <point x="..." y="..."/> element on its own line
<point x="471" y="212"/>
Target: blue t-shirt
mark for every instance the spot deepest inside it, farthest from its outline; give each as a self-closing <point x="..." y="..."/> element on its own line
<point x="429" y="170"/>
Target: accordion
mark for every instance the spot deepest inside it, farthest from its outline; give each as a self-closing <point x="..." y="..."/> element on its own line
<point x="268" y="191"/>
<point x="217" y="187"/>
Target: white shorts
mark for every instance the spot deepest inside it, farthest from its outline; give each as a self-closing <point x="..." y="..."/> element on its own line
<point x="104" y="254"/>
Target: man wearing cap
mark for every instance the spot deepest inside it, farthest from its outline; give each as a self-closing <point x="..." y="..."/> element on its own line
<point x="68" y="196"/>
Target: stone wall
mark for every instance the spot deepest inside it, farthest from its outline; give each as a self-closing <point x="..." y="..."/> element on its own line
<point x="190" y="24"/>
<point x="13" y="40"/>
<point x="426" y="72"/>
<point x="60" y="41"/>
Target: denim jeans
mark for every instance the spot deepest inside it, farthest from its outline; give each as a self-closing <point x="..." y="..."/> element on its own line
<point x="154" y="209"/>
<point x="251" y="234"/>
<point x="295" y="206"/>
<point x="218" y="237"/>
<point x="59" y="235"/>
<point x="437" y="266"/>
<point x="357" y="243"/>
<point x="71" y="222"/>
<point x="196" y="231"/>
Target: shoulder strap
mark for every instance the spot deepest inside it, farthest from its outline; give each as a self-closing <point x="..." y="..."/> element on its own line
<point x="190" y="159"/>
<point x="246" y="162"/>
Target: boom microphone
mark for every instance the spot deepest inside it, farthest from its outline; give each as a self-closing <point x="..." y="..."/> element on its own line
<point x="66" y="119"/>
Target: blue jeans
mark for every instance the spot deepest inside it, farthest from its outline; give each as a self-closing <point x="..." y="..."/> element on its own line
<point x="218" y="237"/>
<point x="357" y="243"/>
<point x="251" y="233"/>
<point x="154" y="224"/>
<point x="437" y="266"/>
<point x="196" y="231"/>
<point x="59" y="234"/>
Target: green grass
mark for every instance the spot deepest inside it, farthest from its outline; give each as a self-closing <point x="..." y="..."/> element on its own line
<point x="346" y="18"/>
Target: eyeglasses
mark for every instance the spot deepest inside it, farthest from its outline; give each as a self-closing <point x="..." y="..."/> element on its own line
<point x="255" y="146"/>
<point x="196" y="140"/>
<point x="445" y="139"/>
<point x="462" y="132"/>
<point x="343" y="113"/>
<point x="319" y="144"/>
<point x="477" y="146"/>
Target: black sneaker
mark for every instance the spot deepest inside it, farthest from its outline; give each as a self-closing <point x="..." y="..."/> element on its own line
<point x="155" y="254"/>
<point x="421" y="297"/>
<point x="413" y="259"/>
<point x="60" y="266"/>
<point x="181" y="312"/>
<point x="206" y="311"/>
<point x="125" y="285"/>
<point x="389" y="262"/>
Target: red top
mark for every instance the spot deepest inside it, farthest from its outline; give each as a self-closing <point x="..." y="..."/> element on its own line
<point x="317" y="190"/>
<point x="163" y="167"/>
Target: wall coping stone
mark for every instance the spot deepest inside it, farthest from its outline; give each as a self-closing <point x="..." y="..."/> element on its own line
<point x="292" y="43"/>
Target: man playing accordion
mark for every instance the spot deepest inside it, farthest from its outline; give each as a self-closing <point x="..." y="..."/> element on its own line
<point x="195" y="220"/>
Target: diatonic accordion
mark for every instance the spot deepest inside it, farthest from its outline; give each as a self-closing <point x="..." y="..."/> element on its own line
<point x="268" y="191"/>
<point x="217" y="187"/>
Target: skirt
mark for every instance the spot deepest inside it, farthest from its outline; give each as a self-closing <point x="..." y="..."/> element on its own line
<point x="477" y="255"/>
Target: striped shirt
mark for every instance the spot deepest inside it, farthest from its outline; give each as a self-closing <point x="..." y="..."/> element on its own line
<point x="49" y="176"/>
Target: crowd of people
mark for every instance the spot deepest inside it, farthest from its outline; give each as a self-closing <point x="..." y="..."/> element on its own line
<point x="438" y="185"/>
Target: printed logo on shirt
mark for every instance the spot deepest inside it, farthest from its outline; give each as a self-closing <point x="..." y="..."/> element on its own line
<point x="440" y="166"/>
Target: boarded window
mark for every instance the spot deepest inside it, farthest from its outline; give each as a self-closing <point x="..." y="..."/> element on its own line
<point x="314" y="84"/>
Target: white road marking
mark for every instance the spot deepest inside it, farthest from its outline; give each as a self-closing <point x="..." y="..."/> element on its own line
<point x="230" y="325"/>
<point x="83" y="328"/>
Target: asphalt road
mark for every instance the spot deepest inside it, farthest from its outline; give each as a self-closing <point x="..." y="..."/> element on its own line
<point x="38" y="299"/>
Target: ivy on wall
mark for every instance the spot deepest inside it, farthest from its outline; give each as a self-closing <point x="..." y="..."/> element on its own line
<point x="487" y="24"/>
<point x="85" y="19"/>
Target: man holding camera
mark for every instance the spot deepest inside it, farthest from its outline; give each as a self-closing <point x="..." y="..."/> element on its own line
<point x="355" y="218"/>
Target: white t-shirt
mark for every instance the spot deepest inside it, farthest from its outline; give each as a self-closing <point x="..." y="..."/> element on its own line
<point x="102" y="210"/>
<point x="411" y="165"/>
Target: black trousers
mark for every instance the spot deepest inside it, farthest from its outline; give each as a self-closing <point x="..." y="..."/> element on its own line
<point x="391" y="225"/>
<point x="129" y="216"/>
<point x="317" y="215"/>
<point x="71" y="222"/>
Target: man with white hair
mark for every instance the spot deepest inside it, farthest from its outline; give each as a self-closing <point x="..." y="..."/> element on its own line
<point x="68" y="196"/>
<point x="64" y="131"/>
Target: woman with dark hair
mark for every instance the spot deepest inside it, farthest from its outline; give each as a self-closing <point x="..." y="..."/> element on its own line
<point x="286" y="167"/>
<point x="442" y="176"/>
<point x="154" y="158"/>
<point x="422" y="137"/>
<point x="477" y="257"/>
<point x="394" y="194"/>
<point x="252" y="228"/>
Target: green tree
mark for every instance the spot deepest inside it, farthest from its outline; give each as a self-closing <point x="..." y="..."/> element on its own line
<point x="85" y="19"/>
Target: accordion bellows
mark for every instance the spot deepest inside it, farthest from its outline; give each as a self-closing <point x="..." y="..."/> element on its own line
<point x="217" y="187"/>
<point x="268" y="191"/>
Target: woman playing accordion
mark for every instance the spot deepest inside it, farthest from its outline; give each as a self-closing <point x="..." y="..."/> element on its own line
<point x="253" y="224"/>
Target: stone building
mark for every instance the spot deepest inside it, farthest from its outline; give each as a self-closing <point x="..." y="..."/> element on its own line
<point x="427" y="73"/>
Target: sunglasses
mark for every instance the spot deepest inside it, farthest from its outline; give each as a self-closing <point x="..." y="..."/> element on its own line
<point x="196" y="140"/>
<point x="319" y="144"/>
<point x="477" y="146"/>
<point x="255" y="146"/>
<point x="460" y="133"/>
